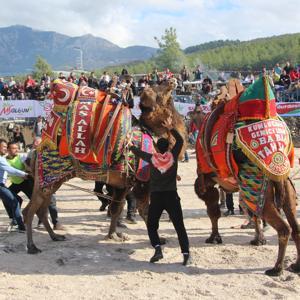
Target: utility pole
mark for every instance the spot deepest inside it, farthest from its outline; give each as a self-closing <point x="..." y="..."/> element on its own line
<point x="80" y="57"/>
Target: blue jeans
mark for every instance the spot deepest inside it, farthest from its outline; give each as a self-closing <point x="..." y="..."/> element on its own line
<point x="11" y="204"/>
<point x="186" y="156"/>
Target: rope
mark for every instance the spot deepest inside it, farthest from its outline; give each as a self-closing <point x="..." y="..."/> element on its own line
<point x="92" y="192"/>
<point x="126" y="149"/>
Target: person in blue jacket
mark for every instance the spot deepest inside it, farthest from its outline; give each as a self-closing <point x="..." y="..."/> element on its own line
<point x="9" y="198"/>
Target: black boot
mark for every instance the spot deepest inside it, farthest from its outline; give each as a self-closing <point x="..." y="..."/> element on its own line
<point x="121" y="224"/>
<point x="229" y="212"/>
<point x="21" y="226"/>
<point x="186" y="257"/>
<point x="157" y="255"/>
<point x="130" y="218"/>
<point x="103" y="206"/>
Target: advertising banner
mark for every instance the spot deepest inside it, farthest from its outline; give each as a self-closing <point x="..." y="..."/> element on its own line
<point x="14" y="109"/>
<point x="288" y="109"/>
<point x="20" y="109"/>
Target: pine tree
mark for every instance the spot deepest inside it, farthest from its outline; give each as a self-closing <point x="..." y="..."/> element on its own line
<point x="41" y="67"/>
<point x="170" y="54"/>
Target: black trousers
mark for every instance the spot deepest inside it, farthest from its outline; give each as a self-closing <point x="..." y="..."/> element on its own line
<point x="26" y="187"/>
<point x="229" y="201"/>
<point x="131" y="200"/>
<point x="98" y="189"/>
<point x="131" y="204"/>
<point x="169" y="201"/>
<point x="53" y="210"/>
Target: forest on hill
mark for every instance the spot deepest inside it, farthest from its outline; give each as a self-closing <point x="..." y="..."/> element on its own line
<point x="225" y="55"/>
<point x="250" y="55"/>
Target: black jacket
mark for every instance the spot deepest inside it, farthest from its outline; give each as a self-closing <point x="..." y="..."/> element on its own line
<point x="162" y="181"/>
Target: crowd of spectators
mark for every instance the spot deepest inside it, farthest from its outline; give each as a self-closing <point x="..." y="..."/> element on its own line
<point x="282" y="78"/>
<point x="285" y="76"/>
<point x="30" y="89"/>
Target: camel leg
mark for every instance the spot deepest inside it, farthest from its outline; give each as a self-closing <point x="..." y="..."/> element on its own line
<point x="259" y="238"/>
<point x="273" y="217"/>
<point x="211" y="198"/>
<point x="289" y="208"/>
<point x="28" y="214"/>
<point x="42" y="213"/>
<point x="141" y="192"/>
<point x="116" y="208"/>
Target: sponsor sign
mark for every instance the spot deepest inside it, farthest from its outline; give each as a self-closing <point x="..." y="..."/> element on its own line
<point x="12" y="109"/>
<point x="288" y="109"/>
<point x="267" y="144"/>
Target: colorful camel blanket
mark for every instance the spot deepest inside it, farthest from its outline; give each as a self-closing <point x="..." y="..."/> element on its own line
<point x="253" y="184"/>
<point x="53" y="169"/>
<point x="97" y="131"/>
<point x="143" y="167"/>
<point x="267" y="143"/>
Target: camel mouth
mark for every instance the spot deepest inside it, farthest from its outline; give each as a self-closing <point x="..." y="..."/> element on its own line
<point x="146" y="109"/>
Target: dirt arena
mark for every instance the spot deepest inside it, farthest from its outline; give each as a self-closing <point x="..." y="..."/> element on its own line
<point x="86" y="266"/>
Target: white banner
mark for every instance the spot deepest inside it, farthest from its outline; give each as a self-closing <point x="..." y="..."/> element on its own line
<point x="20" y="109"/>
<point x="182" y="108"/>
<point x="12" y="109"/>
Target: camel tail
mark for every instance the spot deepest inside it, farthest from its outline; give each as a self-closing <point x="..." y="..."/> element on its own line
<point x="279" y="190"/>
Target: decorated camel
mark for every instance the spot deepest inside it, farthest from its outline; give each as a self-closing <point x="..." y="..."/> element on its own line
<point x="243" y="145"/>
<point x="87" y="136"/>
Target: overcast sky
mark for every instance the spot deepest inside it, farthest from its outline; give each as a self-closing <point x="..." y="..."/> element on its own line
<point x="136" y="22"/>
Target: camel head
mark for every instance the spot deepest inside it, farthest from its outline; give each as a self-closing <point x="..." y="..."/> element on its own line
<point x="157" y="96"/>
<point x="156" y="106"/>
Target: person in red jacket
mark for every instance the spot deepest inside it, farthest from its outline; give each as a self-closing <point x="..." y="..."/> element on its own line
<point x="29" y="86"/>
<point x="294" y="75"/>
<point x="29" y="83"/>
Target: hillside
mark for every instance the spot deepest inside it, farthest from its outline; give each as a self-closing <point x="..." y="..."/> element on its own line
<point x="20" y="45"/>
<point x="232" y="55"/>
<point x="250" y="54"/>
<point x="210" y="46"/>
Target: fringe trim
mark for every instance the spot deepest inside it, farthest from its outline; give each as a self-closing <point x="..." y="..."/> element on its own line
<point x="46" y="143"/>
<point x="257" y="118"/>
<point x="60" y="108"/>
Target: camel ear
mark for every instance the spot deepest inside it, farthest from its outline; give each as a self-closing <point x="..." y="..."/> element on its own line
<point x="164" y="97"/>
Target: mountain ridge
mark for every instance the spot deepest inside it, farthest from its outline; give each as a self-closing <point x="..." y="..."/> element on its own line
<point x="20" y="45"/>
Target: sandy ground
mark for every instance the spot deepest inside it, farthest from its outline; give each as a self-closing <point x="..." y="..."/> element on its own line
<point x="86" y="266"/>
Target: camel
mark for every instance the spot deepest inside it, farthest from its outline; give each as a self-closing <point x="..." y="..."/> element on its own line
<point x="156" y="105"/>
<point x="159" y="108"/>
<point x="278" y="193"/>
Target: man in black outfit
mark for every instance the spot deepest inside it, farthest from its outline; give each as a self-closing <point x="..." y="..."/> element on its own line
<point x="229" y="205"/>
<point x="99" y="189"/>
<point x="163" y="188"/>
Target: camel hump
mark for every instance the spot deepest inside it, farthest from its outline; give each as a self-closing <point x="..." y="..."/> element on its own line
<point x="234" y="87"/>
<point x="97" y="130"/>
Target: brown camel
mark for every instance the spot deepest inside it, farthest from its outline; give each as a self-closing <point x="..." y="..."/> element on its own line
<point x="156" y="105"/>
<point x="121" y="181"/>
<point x="278" y="194"/>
